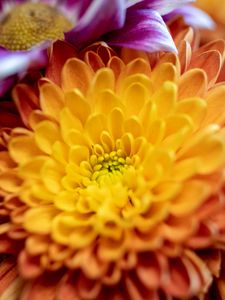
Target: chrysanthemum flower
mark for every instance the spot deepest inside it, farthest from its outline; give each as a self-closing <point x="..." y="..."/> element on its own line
<point x="114" y="186"/>
<point x="25" y="25"/>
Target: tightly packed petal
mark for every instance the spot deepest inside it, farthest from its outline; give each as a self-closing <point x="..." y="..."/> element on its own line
<point x="113" y="186"/>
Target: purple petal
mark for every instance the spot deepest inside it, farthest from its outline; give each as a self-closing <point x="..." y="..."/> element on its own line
<point x="193" y="17"/>
<point x="19" y="61"/>
<point x="100" y="17"/>
<point x="5" y="2"/>
<point x="79" y="6"/>
<point x="161" y="6"/>
<point x="5" y="84"/>
<point x="144" y="30"/>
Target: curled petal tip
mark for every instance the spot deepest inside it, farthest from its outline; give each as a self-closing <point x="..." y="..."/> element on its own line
<point x="193" y="16"/>
<point x="144" y="30"/>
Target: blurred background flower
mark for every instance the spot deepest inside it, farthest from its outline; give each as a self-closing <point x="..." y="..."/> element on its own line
<point x="26" y="25"/>
<point x="113" y="185"/>
<point x="215" y="8"/>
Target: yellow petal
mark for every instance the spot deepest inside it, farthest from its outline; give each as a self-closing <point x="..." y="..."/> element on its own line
<point x="94" y="127"/>
<point x="32" y="168"/>
<point x="133" y="126"/>
<point x="76" y="137"/>
<point x="103" y="80"/>
<point x="208" y="147"/>
<point x="124" y="83"/>
<point x="156" y="131"/>
<point x="60" y="152"/>
<point x="39" y="219"/>
<point x="134" y="98"/>
<point x="64" y="225"/>
<point x="52" y="174"/>
<point x="166" y="191"/>
<point x="176" y="123"/>
<point x="148" y="114"/>
<point x="82" y="237"/>
<point x="127" y="143"/>
<point x="23" y="149"/>
<point x="163" y="72"/>
<point x="191" y="197"/>
<point x="76" y="74"/>
<point x="41" y="193"/>
<point x="10" y="182"/>
<point x="106" y="102"/>
<point x="194" y="107"/>
<point x="68" y="122"/>
<point x="78" y="154"/>
<point x="165" y="98"/>
<point x="77" y="104"/>
<point x="65" y="201"/>
<point x="138" y="65"/>
<point x="116" y="120"/>
<point x="46" y="134"/>
<point x="185" y="169"/>
<point x="51" y="99"/>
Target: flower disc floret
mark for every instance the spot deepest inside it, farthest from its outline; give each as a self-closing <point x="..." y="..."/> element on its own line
<point x="28" y="24"/>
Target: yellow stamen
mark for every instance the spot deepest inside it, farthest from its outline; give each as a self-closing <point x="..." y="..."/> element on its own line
<point x="108" y="164"/>
<point x="29" y="24"/>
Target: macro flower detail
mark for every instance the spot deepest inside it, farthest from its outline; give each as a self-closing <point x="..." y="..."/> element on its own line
<point x="27" y="28"/>
<point x="114" y="185"/>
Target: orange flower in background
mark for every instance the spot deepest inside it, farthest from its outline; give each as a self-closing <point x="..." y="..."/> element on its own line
<point x="216" y="9"/>
<point x="114" y="186"/>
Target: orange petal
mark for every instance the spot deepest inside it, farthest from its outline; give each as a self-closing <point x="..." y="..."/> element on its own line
<point x="57" y="59"/>
<point x="51" y="99"/>
<point x="210" y="62"/>
<point x="93" y="60"/>
<point x="76" y="74"/>
<point x="29" y="266"/>
<point x="197" y="80"/>
<point x="26" y="101"/>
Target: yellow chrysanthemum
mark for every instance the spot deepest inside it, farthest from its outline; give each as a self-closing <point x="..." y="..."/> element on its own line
<point x="114" y="175"/>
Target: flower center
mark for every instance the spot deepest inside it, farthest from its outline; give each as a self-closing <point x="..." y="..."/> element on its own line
<point x="108" y="165"/>
<point x="29" y="24"/>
